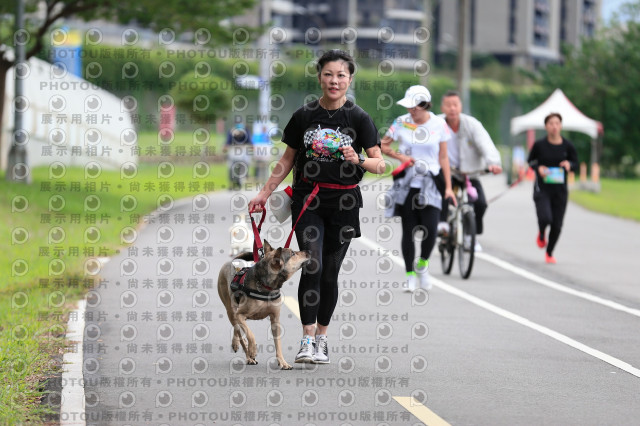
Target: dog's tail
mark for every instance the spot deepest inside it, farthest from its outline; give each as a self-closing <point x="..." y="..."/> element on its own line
<point x="247" y="255"/>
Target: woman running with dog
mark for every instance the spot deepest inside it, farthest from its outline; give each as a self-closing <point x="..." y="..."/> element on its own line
<point x="325" y="141"/>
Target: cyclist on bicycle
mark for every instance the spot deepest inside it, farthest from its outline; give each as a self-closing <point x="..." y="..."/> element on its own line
<point x="470" y="150"/>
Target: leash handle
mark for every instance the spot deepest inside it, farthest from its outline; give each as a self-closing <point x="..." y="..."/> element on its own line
<point x="258" y="250"/>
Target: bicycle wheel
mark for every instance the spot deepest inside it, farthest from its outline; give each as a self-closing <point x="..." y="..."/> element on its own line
<point x="466" y="250"/>
<point x="445" y="246"/>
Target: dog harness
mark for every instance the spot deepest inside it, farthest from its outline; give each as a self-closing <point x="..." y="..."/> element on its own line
<point x="237" y="285"/>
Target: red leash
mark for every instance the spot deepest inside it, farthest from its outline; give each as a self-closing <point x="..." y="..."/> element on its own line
<point x="316" y="188"/>
<point x="310" y="198"/>
<point x="258" y="250"/>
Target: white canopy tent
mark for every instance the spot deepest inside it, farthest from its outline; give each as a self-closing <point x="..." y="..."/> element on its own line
<point x="572" y="118"/>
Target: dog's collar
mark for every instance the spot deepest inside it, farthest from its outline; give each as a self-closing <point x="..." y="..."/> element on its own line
<point x="237" y="284"/>
<point x="269" y="289"/>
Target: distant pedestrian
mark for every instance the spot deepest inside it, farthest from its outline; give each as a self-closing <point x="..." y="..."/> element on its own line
<point x="552" y="158"/>
<point x="261" y="152"/>
<point x="238" y="156"/>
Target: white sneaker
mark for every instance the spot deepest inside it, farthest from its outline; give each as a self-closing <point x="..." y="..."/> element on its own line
<point x="411" y="284"/>
<point x="443" y="229"/>
<point x="321" y="354"/>
<point x="425" y="282"/>
<point x="305" y="354"/>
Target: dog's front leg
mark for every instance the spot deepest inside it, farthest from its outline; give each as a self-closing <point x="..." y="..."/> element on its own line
<point x="276" y="331"/>
<point x="238" y="339"/>
<point x="252" y="348"/>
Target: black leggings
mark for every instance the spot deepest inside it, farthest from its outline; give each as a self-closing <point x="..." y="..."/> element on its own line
<point x="415" y="218"/>
<point x="328" y="244"/>
<point x="550" y="208"/>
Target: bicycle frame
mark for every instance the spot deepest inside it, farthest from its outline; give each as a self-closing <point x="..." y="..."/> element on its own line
<point x="461" y="224"/>
<point x="462" y="199"/>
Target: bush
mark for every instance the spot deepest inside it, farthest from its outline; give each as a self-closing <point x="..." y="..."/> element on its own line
<point x="205" y="99"/>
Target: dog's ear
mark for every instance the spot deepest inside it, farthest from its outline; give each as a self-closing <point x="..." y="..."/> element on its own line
<point x="267" y="247"/>
<point x="276" y="263"/>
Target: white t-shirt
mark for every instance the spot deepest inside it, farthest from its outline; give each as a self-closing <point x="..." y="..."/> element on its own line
<point x="420" y="141"/>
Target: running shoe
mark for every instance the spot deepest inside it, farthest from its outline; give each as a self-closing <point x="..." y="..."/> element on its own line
<point x="321" y="354"/>
<point x="411" y="283"/>
<point x="305" y="354"/>
<point x="549" y="259"/>
<point x="541" y="241"/>
<point x="425" y="282"/>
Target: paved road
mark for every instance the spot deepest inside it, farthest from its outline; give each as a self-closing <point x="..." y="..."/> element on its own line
<point x="519" y="343"/>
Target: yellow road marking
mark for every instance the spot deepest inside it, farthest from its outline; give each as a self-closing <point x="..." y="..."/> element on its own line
<point x="410" y="404"/>
<point x="292" y="304"/>
<point x="425" y="415"/>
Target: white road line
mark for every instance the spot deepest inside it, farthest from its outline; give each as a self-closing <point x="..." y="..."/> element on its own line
<point x="413" y="406"/>
<point x="517" y="318"/>
<point x="72" y="406"/>
<point x="292" y="304"/>
<point x="423" y="414"/>
<point x="553" y="285"/>
<point x="539" y="328"/>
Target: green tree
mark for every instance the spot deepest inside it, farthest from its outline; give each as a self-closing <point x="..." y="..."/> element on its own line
<point x="203" y="98"/>
<point x="206" y="19"/>
<point x="601" y="77"/>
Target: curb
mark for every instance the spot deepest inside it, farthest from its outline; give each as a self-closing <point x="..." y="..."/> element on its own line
<point x="73" y="401"/>
<point x="72" y="405"/>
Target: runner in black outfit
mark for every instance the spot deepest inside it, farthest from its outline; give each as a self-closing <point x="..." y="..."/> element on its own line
<point x="552" y="158"/>
<point x="325" y="140"/>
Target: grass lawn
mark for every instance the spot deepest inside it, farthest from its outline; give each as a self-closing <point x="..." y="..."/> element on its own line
<point x="181" y="143"/>
<point x="617" y="198"/>
<point x="51" y="227"/>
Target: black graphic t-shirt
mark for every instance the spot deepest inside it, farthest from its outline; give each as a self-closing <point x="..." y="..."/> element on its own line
<point x="317" y="136"/>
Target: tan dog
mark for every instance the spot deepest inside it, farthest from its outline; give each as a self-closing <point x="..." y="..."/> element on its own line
<point x="255" y="296"/>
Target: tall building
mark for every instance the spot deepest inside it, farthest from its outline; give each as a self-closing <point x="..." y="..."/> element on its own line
<point x="378" y="29"/>
<point x="391" y="29"/>
<point x="524" y="33"/>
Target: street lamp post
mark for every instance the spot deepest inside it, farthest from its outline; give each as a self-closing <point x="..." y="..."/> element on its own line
<point x="425" y="49"/>
<point x="265" y="78"/>
<point x="464" y="55"/>
<point x="17" y="169"/>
